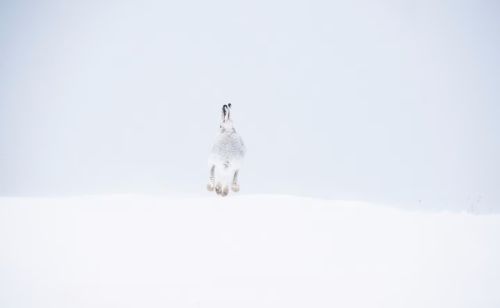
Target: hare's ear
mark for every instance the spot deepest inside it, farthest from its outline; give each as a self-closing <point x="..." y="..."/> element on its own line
<point x="228" y="111"/>
<point x="224" y="112"/>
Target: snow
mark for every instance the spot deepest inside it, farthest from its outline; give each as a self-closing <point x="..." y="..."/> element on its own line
<point x="242" y="251"/>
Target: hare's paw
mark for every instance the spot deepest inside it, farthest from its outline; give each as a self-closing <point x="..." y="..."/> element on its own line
<point x="235" y="187"/>
<point x="225" y="191"/>
<point x="218" y="188"/>
<point x="211" y="184"/>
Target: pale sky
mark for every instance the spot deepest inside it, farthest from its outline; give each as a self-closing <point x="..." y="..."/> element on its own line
<point x="387" y="101"/>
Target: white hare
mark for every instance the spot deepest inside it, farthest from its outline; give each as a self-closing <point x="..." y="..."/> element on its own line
<point x="226" y="157"/>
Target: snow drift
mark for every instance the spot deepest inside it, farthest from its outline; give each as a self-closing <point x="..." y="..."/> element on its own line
<point x="245" y="251"/>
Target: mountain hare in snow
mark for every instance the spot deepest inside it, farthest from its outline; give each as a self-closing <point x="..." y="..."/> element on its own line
<point x="225" y="159"/>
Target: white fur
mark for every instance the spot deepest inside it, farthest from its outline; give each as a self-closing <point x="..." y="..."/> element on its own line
<point x="226" y="157"/>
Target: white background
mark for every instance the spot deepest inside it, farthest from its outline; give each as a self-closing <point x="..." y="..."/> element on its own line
<point x="387" y="101"/>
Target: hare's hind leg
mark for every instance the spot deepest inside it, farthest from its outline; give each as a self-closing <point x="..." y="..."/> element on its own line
<point x="225" y="191"/>
<point x="211" y="179"/>
<point x="235" y="186"/>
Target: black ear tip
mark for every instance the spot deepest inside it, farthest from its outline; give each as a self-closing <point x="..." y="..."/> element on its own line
<point x="229" y="105"/>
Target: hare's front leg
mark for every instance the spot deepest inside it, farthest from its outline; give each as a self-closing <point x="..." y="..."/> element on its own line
<point x="211" y="179"/>
<point x="235" y="186"/>
<point x="221" y="190"/>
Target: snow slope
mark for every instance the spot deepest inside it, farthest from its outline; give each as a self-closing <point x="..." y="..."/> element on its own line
<point x="242" y="251"/>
